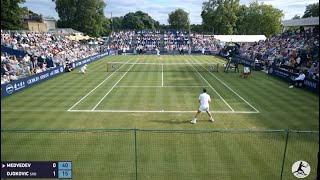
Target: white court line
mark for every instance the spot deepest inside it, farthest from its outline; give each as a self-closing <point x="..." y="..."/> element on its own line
<point x="162" y="74"/>
<point x="158" y="63"/>
<point x="159" y="86"/>
<point x="230" y="89"/>
<point x="96" y="86"/>
<point x="112" y="88"/>
<point x="160" y="111"/>
<point x="211" y="86"/>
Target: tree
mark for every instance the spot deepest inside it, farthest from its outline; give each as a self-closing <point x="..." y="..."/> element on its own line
<point x="240" y="23"/>
<point x="147" y="20"/>
<point x="219" y="16"/>
<point x="179" y="19"/>
<point x="138" y="20"/>
<point x="296" y="16"/>
<point x="116" y="23"/>
<point x="83" y="15"/>
<point x="263" y="19"/>
<point x="131" y="21"/>
<point x="312" y="10"/>
<point x="196" y="28"/>
<point x="11" y="14"/>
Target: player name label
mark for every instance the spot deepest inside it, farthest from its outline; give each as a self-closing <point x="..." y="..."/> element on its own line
<point x="18" y="174"/>
<point x="18" y="165"/>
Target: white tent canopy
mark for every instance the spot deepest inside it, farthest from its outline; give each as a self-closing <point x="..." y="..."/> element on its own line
<point x="240" y="38"/>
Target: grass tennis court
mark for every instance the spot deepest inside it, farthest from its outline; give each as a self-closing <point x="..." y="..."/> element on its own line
<point x="93" y="117"/>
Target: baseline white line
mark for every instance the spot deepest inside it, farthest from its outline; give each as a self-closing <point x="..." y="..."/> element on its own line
<point x="165" y="64"/>
<point x="97" y="86"/>
<point x="161" y="111"/>
<point x="230" y="89"/>
<point x="112" y="88"/>
<point x="210" y="86"/>
<point x="158" y="86"/>
<point x="162" y="74"/>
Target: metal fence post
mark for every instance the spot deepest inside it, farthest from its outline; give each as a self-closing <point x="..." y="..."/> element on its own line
<point x="284" y="153"/>
<point x="135" y="153"/>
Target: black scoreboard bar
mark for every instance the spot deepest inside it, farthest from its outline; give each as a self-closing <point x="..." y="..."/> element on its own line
<point x="36" y="169"/>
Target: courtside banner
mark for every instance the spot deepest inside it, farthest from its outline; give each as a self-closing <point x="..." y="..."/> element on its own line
<point x="244" y="61"/>
<point x="87" y="60"/>
<point x="15" y="86"/>
<point x="308" y="83"/>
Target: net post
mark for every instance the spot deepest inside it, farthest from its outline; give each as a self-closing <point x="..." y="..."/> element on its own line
<point x="135" y="154"/>
<point x="284" y="153"/>
<point x="218" y="67"/>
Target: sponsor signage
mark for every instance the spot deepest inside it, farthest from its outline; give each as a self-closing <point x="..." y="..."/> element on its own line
<point x="15" y="86"/>
<point x="244" y="61"/>
<point x="308" y="83"/>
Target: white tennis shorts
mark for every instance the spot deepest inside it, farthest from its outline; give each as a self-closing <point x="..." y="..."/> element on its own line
<point x="203" y="108"/>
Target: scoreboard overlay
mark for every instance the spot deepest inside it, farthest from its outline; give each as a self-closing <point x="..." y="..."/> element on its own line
<point x="36" y="169"/>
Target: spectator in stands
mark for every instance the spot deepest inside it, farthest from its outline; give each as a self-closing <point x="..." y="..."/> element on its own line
<point x="5" y="79"/>
<point x="298" y="62"/>
<point x="291" y="64"/>
<point x="298" y="81"/>
<point x="4" y="70"/>
<point x="312" y="70"/>
<point x="26" y="58"/>
<point x="13" y="77"/>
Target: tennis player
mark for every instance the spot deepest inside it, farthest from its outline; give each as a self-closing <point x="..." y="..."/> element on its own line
<point x="204" y="100"/>
<point x="83" y="69"/>
<point x="158" y="53"/>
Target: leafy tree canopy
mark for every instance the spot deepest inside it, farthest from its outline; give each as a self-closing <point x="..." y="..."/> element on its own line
<point x="312" y="10"/>
<point x="179" y="19"/>
<point x="11" y="14"/>
<point x="83" y="15"/>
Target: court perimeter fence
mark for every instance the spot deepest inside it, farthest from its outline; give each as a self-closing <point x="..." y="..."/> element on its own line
<point x="167" y="154"/>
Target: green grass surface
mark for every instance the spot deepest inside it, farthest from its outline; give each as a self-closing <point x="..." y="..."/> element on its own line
<point x="168" y="99"/>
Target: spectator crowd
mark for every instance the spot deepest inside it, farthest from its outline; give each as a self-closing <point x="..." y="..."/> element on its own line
<point x="293" y="51"/>
<point x="42" y="51"/>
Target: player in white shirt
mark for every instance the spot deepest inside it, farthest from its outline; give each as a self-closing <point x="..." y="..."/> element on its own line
<point x="83" y="69"/>
<point x="158" y="53"/>
<point x="204" y="100"/>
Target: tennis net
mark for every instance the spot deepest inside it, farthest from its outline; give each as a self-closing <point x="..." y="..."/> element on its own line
<point x="159" y="67"/>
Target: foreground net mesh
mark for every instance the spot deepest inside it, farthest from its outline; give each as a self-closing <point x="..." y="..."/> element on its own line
<point x="159" y="67"/>
<point x="155" y="154"/>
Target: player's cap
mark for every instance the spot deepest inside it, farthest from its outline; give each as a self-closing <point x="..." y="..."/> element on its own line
<point x="85" y="65"/>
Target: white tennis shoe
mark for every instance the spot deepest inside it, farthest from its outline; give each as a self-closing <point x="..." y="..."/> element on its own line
<point x="211" y="119"/>
<point x="194" y="121"/>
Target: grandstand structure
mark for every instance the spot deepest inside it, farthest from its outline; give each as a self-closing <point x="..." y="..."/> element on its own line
<point x="168" y="41"/>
